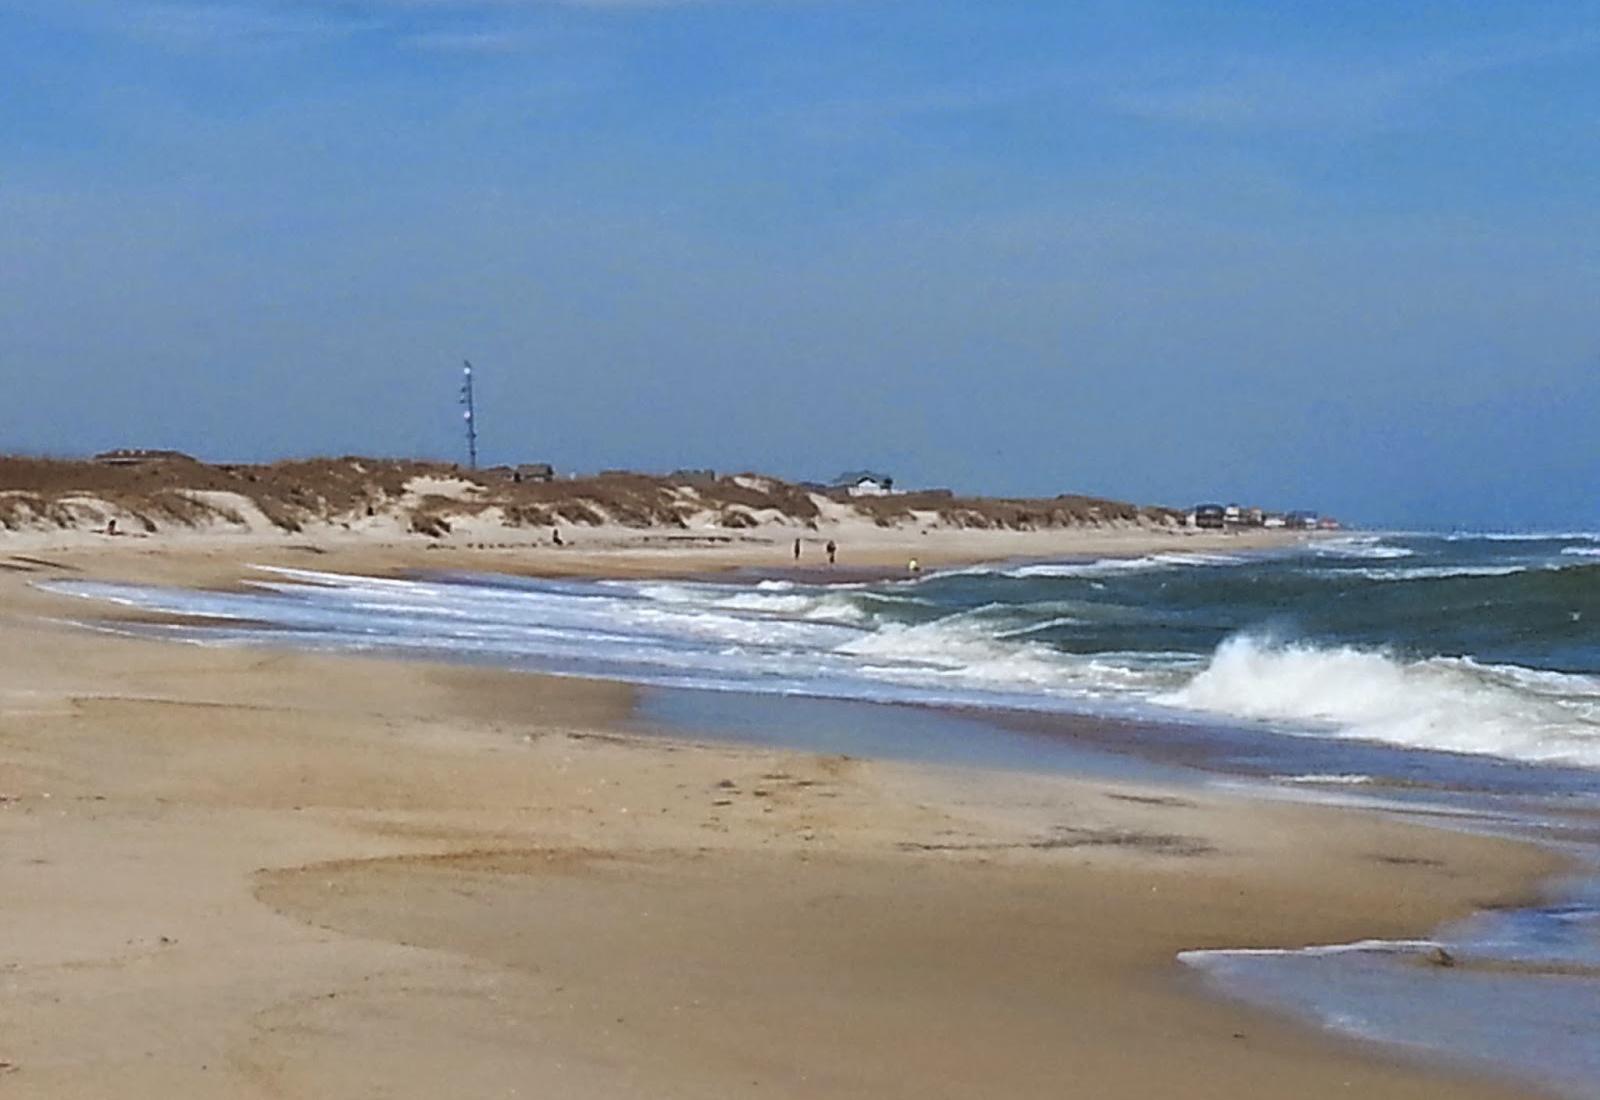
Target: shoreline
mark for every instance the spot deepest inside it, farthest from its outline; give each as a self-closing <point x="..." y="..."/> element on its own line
<point x="621" y="553"/>
<point x="418" y="832"/>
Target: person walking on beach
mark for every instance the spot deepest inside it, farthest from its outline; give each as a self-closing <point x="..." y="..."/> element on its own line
<point x="796" y="549"/>
<point x="832" y="550"/>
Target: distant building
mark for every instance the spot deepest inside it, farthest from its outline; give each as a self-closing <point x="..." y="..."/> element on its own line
<point x="1328" y="523"/>
<point x="1302" y="520"/>
<point x="1210" y="516"/>
<point x="136" y="456"/>
<point x="527" y="471"/>
<point x="1274" y="520"/>
<point x="864" y="483"/>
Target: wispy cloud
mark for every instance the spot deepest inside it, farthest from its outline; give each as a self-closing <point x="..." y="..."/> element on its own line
<point x="205" y="24"/>
<point x="1364" y="92"/>
<point x="468" y="41"/>
<point x="241" y="24"/>
<point x="459" y="26"/>
<point x="507" y="5"/>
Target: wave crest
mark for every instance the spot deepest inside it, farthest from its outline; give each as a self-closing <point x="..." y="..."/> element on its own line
<point x="1368" y="547"/>
<point x="1452" y="704"/>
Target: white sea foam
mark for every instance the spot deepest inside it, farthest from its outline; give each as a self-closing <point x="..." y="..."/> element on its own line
<point x="1204" y="956"/>
<point x="1450" y="704"/>
<point x="1072" y="569"/>
<point x="1329" y="779"/>
<point x="1440" y="572"/>
<point x="1039" y="628"/>
<point x="1445" y="572"/>
<point x="962" y="652"/>
<point x="1581" y="551"/>
<point x="662" y="593"/>
<point x="1523" y="536"/>
<point x="823" y="608"/>
<point x="1364" y="547"/>
<point x="1112" y="566"/>
<point x="1197" y="559"/>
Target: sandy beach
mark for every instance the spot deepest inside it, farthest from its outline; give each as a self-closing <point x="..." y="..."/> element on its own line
<point x="810" y="550"/>
<point x="234" y="872"/>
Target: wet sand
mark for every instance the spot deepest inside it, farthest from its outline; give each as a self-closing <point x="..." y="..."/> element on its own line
<point x="247" y="873"/>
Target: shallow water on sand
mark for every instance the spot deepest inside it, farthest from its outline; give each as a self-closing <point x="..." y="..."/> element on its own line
<point x="1516" y="992"/>
<point x="1521" y="997"/>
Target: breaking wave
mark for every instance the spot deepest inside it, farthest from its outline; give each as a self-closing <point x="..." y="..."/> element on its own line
<point x="1440" y="572"/>
<point x="1099" y="567"/>
<point x="1452" y="704"/>
<point x="1369" y="547"/>
<point x="1522" y="536"/>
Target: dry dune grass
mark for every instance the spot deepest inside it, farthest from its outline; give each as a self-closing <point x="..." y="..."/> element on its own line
<point x="1067" y="510"/>
<point x="180" y="492"/>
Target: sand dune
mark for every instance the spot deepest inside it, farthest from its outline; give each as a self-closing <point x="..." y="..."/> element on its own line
<point x="431" y="499"/>
<point x="386" y="514"/>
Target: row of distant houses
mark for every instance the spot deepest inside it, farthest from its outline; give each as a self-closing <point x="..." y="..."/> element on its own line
<point x="1221" y="517"/>
<point x="856" y="483"/>
<point x="139" y="456"/>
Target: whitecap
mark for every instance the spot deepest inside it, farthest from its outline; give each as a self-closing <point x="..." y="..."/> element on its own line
<point x="1439" y="572"/>
<point x="1360" y="547"/>
<point x="1442" y="703"/>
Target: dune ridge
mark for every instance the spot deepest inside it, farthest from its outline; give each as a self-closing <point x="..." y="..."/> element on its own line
<point x="435" y="500"/>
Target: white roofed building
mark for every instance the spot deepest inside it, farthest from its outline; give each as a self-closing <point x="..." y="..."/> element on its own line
<point x="864" y="483"/>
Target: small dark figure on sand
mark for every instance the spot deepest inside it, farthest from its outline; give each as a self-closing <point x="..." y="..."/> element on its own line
<point x="555" y="536"/>
<point x="832" y="550"/>
<point x="796" y="549"/>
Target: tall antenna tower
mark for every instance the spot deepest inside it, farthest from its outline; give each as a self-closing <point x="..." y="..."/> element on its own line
<point x="470" y="414"/>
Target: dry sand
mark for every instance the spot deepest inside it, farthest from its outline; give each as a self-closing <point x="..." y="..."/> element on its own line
<point x="614" y="551"/>
<point x="241" y="873"/>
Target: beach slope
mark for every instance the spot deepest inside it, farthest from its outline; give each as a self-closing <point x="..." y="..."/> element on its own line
<point x="245" y="873"/>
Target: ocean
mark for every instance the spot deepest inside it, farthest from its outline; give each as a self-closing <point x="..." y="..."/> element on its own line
<point x="1485" y="645"/>
<point x="1451" y="672"/>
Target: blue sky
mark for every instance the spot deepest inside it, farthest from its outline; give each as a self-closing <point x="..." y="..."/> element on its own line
<point x="1343" y="256"/>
